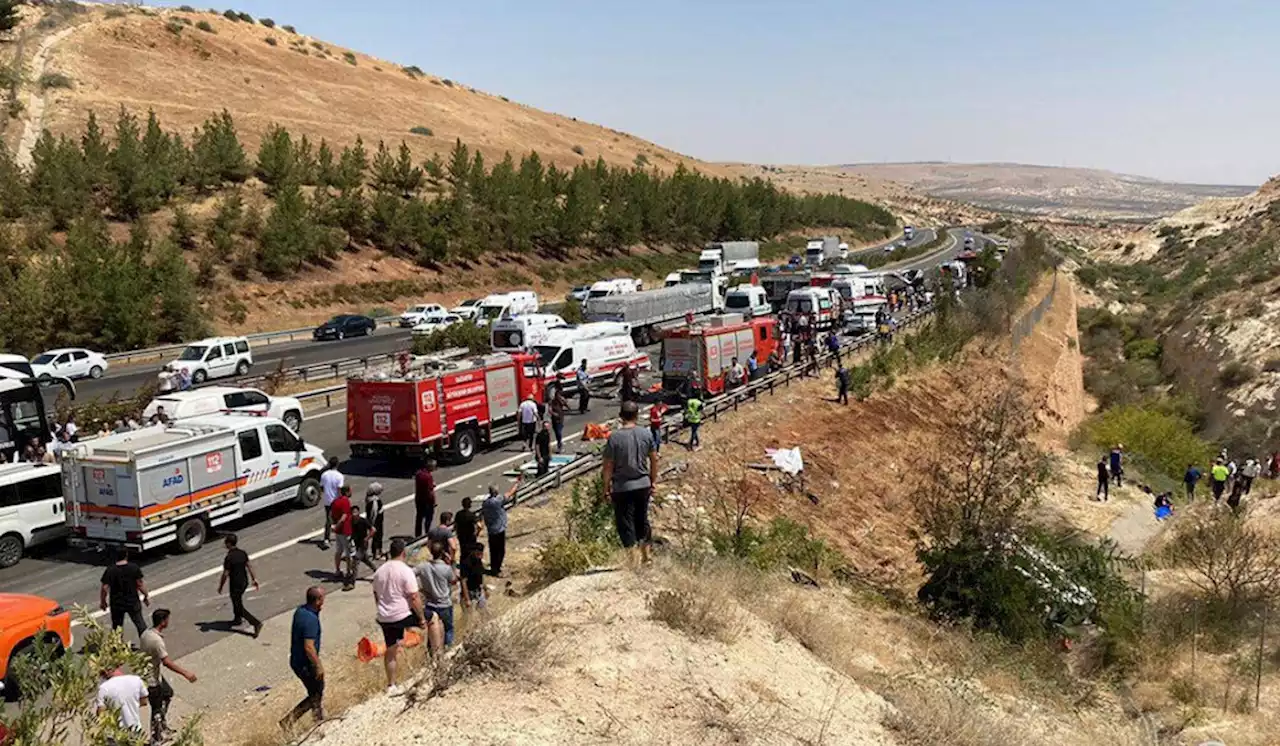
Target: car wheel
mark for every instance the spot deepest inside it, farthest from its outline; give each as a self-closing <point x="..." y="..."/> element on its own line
<point x="191" y="535"/>
<point x="199" y="376"/>
<point x="10" y="550"/>
<point x="341" y="335"/>
<point x="95" y="371"/>
<point x="293" y="420"/>
<point x="465" y="444"/>
<point x="242" y="368"/>
<point x="309" y="493"/>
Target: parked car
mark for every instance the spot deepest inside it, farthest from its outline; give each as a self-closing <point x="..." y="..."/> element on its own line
<point x="578" y="293"/>
<point x="216" y="357"/>
<point x="69" y="363"/>
<point x="795" y="261"/>
<point x="23" y="620"/>
<point x="435" y="324"/>
<point x="345" y="325"/>
<point x="467" y="309"/>
<point x="180" y="405"/>
<point x="415" y="315"/>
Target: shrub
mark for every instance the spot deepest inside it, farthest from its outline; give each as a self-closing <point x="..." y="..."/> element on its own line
<point x="420" y="130"/>
<point x="267" y="22"/>
<point x="1235" y="373"/>
<point x="572" y="312"/>
<point x="116" y="13"/>
<point x="447" y="83"/>
<point x="317" y="46"/>
<point x="186" y="9"/>
<point x="173" y="27"/>
<point x="1164" y="440"/>
<point x="245" y="17"/>
<point x="1088" y="276"/>
<point x="1142" y="348"/>
<point x="1227" y="559"/>
<point x="578" y="149"/>
<point x="413" y="71"/>
<point x="350" y="57"/>
<point x="463" y="334"/>
<point x="54" y="80"/>
<point x="231" y="15"/>
<point x="206" y="27"/>
<point x="290" y="29"/>
<point x="271" y="40"/>
<point x="698" y="611"/>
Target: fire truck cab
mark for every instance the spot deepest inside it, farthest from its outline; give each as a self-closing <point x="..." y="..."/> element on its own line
<point x="702" y="353"/>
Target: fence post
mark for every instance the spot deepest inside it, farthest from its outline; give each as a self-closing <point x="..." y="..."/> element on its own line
<point x="1257" y="677"/>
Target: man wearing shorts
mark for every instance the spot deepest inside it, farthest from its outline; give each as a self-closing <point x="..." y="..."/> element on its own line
<point x="340" y="516"/>
<point x="395" y="590"/>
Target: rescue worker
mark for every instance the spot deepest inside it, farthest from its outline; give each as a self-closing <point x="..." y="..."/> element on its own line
<point x="582" y="378"/>
<point x="842" y="385"/>
<point x="693" y="418"/>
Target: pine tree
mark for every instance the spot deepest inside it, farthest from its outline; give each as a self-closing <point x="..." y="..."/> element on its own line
<point x="304" y="162"/>
<point x="177" y="315"/>
<point x="276" y="165"/>
<point x="182" y="229"/>
<point x="408" y="177"/>
<point x="13" y="188"/>
<point x="163" y="162"/>
<point x="288" y="234"/>
<point x="384" y="170"/>
<point x="97" y="155"/>
<point x="352" y="166"/>
<point x="326" y="170"/>
<point x="133" y="189"/>
<point x="458" y="215"/>
<point x="9" y="15"/>
<point x="57" y="179"/>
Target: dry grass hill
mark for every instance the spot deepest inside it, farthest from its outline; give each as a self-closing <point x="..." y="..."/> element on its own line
<point x="1046" y="190"/>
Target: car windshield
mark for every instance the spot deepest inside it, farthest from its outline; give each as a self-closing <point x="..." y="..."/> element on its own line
<point x="416" y="309"/>
<point x="492" y="312"/>
<point x="44" y="359"/>
<point x="194" y="352"/>
<point x="597" y="293"/>
<point x="470" y="302"/>
<point x="546" y="353"/>
<point x="336" y="320"/>
<point x="737" y="301"/>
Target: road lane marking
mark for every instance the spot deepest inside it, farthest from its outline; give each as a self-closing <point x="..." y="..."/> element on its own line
<point x="205" y="574"/>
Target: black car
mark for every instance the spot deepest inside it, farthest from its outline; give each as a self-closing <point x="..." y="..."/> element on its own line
<point x="346" y="325"/>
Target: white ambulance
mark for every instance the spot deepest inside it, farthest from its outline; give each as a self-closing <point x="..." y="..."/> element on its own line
<point x="524" y="332"/>
<point x="607" y="347"/>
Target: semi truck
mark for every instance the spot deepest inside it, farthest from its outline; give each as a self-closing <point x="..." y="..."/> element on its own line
<point x="447" y="406"/>
<point x="172" y="484"/>
<point x="727" y="257"/>
<point x="646" y="312"/>
<point x="702" y="353"/>
<point x="819" y="251"/>
<point x="908" y="233"/>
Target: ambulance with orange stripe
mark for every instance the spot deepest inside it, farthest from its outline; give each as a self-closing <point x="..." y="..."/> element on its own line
<point x="173" y="484"/>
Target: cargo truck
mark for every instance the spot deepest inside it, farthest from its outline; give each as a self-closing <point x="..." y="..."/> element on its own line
<point x="819" y="251"/>
<point x="173" y="484"/>
<point x="908" y="233"/>
<point x="646" y="312"/>
<point x="703" y="352"/>
<point x="727" y="257"/>
<point x="445" y="406"/>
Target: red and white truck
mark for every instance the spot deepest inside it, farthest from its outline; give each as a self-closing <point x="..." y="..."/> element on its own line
<point x="704" y="351"/>
<point x="450" y="407"/>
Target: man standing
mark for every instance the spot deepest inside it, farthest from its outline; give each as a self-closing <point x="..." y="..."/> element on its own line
<point x="494" y="512"/>
<point x="124" y="592"/>
<point x="466" y="527"/>
<point x="424" y="498"/>
<point x="656" y="414"/>
<point x="395" y="591"/>
<point x="753" y="366"/>
<point x="361" y="532"/>
<point x="331" y="482"/>
<point x="304" y="657"/>
<point x="437" y="579"/>
<point x="127" y="694"/>
<point x="734" y="378"/>
<point x="528" y="421"/>
<point x="628" y="392"/>
<point x="630" y="471"/>
<point x="542" y="448"/>
<point x="159" y="692"/>
<point x="1218" y="479"/>
<point x="1104" y="481"/>
<point x="1117" y="472"/>
<point x="341" y="517"/>
<point x="833" y="346"/>
<point x="693" y="418"/>
<point x="237" y="569"/>
<point x="444" y="533"/>
<point x="1248" y="473"/>
<point x="559" y="407"/>
<point x="842" y="385"/>
<point x="582" y="378"/>
<point x="1190" y="479"/>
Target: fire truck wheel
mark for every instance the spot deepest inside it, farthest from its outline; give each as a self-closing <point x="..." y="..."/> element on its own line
<point x="465" y="445"/>
<point x="309" y="493"/>
<point x="191" y="534"/>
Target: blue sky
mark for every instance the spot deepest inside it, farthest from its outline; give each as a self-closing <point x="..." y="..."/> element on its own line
<point x="1172" y="89"/>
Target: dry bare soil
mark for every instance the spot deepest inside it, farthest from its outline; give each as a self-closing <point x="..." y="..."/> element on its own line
<point x="1047" y="190"/>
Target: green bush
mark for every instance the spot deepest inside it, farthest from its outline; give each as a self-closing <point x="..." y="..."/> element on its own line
<point x="781" y="543"/>
<point x="271" y="40"/>
<point x="447" y="83"/>
<point x="173" y="27"/>
<point x="186" y="9"/>
<point x="116" y="13"/>
<point x="1088" y="276"/>
<point x="231" y="15"/>
<point x="290" y="29"/>
<point x="1143" y="348"/>
<point x="572" y="312"/>
<point x="420" y="130"/>
<point x="267" y="22"/>
<point x="462" y="334"/>
<point x="54" y="80"/>
<point x="413" y="71"/>
<point x="1235" y="373"/>
<point x="206" y="27"/>
<point x="350" y="57"/>
<point x="1164" y="440"/>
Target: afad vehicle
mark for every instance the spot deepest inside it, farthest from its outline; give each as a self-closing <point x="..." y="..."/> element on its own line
<point x="438" y="405"/>
<point x="703" y="352"/>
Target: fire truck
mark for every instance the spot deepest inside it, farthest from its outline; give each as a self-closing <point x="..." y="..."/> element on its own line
<point x="703" y="352"/>
<point x="446" y="406"/>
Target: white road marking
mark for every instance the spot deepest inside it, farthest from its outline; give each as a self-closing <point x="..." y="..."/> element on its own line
<point x="313" y="534"/>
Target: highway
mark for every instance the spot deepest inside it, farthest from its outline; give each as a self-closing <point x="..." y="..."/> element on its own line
<point x="282" y="540"/>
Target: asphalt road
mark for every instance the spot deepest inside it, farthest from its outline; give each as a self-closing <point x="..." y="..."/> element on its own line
<point x="282" y="540"/>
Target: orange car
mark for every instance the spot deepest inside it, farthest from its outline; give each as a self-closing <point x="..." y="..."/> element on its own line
<point x="23" y="619"/>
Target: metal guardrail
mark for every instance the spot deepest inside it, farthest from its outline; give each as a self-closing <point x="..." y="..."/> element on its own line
<point x="266" y="338"/>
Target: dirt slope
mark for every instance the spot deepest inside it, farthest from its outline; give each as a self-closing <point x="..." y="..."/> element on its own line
<point x="156" y="61"/>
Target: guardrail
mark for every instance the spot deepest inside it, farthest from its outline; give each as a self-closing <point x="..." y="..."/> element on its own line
<point x="265" y="338"/>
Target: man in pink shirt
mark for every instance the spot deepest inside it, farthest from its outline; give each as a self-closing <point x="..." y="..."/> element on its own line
<point x="395" y="590"/>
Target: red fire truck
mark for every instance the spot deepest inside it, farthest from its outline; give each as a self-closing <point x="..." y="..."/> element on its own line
<point x="703" y="352"/>
<point x="441" y="406"/>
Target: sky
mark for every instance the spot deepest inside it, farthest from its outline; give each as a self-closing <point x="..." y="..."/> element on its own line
<point x="1173" y="89"/>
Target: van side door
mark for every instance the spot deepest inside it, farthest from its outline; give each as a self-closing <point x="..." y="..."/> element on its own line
<point x="256" y="485"/>
<point x="286" y="453"/>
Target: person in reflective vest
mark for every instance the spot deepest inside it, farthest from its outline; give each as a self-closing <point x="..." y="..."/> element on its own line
<point x="693" y="418"/>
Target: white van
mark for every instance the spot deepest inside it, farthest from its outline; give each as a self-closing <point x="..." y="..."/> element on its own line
<point x="748" y="300"/>
<point x="522" y="332"/>
<point x="216" y="357"/>
<point x="31" y="508"/>
<point x="605" y="345"/>
<point x="673" y="278"/>
<point x="816" y="303"/>
<point x="501" y="305"/>
<point x="16" y="364"/>
<point x="606" y="288"/>
<point x="181" y="405"/>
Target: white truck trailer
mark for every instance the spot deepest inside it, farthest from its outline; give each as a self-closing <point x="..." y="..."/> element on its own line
<point x="819" y="251"/>
<point x="727" y="257"/>
<point x="173" y="484"/>
<point x="648" y="310"/>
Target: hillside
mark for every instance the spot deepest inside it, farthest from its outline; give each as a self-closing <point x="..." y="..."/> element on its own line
<point x="1046" y="190"/>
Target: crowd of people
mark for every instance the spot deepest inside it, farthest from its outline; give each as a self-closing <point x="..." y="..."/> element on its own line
<point x="1227" y="478"/>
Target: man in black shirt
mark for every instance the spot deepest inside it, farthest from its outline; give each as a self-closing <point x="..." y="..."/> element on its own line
<point x="465" y="527"/>
<point x="472" y="571"/>
<point x="121" y="587"/>
<point x="237" y="569"/>
<point x="542" y="448"/>
<point x="362" y="531"/>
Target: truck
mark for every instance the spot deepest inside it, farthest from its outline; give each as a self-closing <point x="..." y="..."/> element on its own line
<point x="173" y="484"/>
<point x="727" y="257"/>
<point x="908" y="233"/>
<point x="701" y="353"/>
<point x="617" y="286"/>
<point x="778" y="285"/>
<point x="449" y="406"/>
<point x="968" y="241"/>
<point x="646" y="312"/>
<point x="819" y="251"/>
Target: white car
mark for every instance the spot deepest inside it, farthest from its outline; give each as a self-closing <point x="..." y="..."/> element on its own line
<point x="435" y="324"/>
<point x="467" y="309"/>
<point x="417" y="314"/>
<point x="71" y="362"/>
<point x="216" y="357"/>
<point x="180" y="405"/>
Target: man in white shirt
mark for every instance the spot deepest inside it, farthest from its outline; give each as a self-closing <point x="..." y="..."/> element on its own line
<point x="528" y="421"/>
<point x="127" y="694"/>
<point x="331" y="482"/>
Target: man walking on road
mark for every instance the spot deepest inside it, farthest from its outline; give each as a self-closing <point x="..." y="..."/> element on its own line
<point x="842" y="385"/>
<point x="341" y="510"/>
<point x="237" y="569"/>
<point x="124" y="592"/>
<point x="630" y="470"/>
<point x="583" y="378"/>
<point x="304" y="657"/>
<point x="693" y="418"/>
<point x="395" y="591"/>
<point x="494" y="512"/>
<point x="159" y="691"/>
<point x="424" y="498"/>
<point x="528" y="421"/>
<point x="559" y="408"/>
<point x="331" y="481"/>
